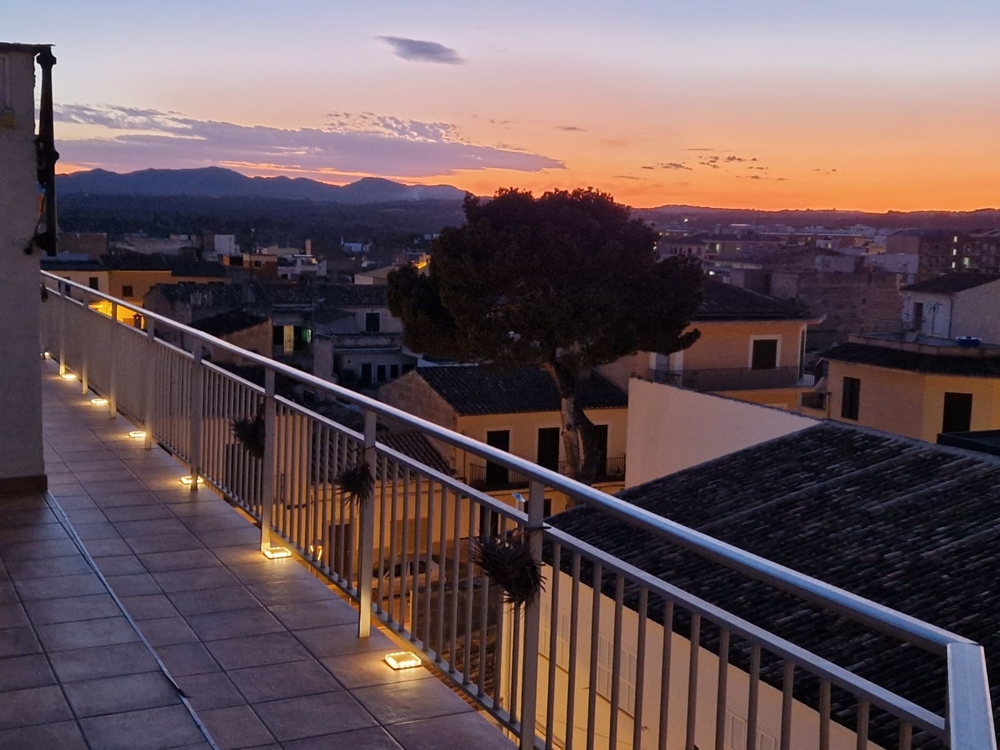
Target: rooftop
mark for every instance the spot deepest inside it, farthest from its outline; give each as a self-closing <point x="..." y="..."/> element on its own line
<point x="909" y="525"/>
<point x="726" y="302"/>
<point x="185" y="267"/>
<point x="943" y="357"/>
<point x="952" y="283"/>
<point x="472" y="390"/>
<point x="255" y="293"/>
<point x="229" y="322"/>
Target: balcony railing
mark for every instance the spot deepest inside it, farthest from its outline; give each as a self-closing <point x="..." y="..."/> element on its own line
<point x="404" y="558"/>
<point x="484" y="477"/>
<point x="733" y="378"/>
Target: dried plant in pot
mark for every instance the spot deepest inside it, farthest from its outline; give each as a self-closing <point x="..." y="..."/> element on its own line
<point x="507" y="562"/>
<point x="357" y="483"/>
<point x="250" y="432"/>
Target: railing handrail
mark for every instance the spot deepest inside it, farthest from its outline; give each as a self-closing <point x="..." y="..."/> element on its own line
<point x="877" y="616"/>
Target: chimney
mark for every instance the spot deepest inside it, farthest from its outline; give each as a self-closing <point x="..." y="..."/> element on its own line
<point x="309" y="247"/>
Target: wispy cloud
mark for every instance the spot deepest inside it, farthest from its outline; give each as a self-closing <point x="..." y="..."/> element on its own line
<point x="416" y="50"/>
<point x="570" y="129"/>
<point x="668" y="165"/>
<point x="349" y="144"/>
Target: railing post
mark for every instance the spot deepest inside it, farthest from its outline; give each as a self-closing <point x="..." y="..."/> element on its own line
<point x="367" y="535"/>
<point x="62" y="329"/>
<point x="197" y="404"/>
<point x="970" y="713"/>
<point x="112" y="370"/>
<point x="267" y="470"/>
<point x="150" y="381"/>
<point x="532" y="620"/>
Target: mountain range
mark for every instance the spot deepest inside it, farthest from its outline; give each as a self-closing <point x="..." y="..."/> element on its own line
<point x="217" y="182"/>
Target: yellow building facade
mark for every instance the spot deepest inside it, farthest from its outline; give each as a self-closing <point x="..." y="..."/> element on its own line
<point x="915" y="390"/>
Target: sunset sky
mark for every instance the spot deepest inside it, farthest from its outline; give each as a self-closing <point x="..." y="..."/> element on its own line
<point x="851" y="104"/>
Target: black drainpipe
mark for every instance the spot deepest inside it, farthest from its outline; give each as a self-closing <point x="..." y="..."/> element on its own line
<point x="46" y="155"/>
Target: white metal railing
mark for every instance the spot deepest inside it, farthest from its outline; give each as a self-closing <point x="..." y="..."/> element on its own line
<point x="404" y="557"/>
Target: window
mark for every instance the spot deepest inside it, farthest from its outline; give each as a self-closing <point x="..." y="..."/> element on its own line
<point x="764" y="354"/>
<point x="366" y="373"/>
<point x="373" y="322"/>
<point x="393" y="372"/>
<point x="918" y="314"/>
<point x="92" y="283"/>
<point x="548" y="448"/>
<point x="380" y="373"/>
<point x="626" y="678"/>
<point x="851" y="398"/>
<point x="957" y="416"/>
<point x="127" y="291"/>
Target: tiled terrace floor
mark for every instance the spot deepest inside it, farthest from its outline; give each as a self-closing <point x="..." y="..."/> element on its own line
<point x="265" y="653"/>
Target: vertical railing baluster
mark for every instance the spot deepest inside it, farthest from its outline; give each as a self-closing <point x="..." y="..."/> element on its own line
<point x="721" y="697"/>
<point x="616" y="662"/>
<point x="484" y="612"/>
<point x="196" y="405"/>
<point x="862" y="735"/>
<point x="367" y="533"/>
<point x="668" y="642"/>
<point x="412" y="568"/>
<point x="470" y="598"/>
<point x="151" y="365"/>
<point x="428" y="560"/>
<point x="824" y="715"/>
<point x="574" y="620"/>
<point x="595" y="647"/>
<point x="753" y="699"/>
<point x="269" y="467"/>
<point x="692" y="706"/>
<point x="905" y="736"/>
<point x="442" y="574"/>
<point x="113" y="336"/>
<point x="405" y="528"/>
<point x="456" y="553"/>
<point x="640" y="668"/>
<point x="63" y="304"/>
<point x="83" y="342"/>
<point x="383" y="478"/>
<point x="550" y="698"/>
<point x="393" y="541"/>
<point x="532" y="619"/>
<point x="787" y="697"/>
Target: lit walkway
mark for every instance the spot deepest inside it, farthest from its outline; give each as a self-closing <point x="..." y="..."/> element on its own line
<point x="266" y="654"/>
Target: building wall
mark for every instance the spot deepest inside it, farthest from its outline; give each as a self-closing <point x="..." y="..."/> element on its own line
<point x="256" y="339"/>
<point x="908" y="403"/>
<point x="524" y="429"/>
<point x="20" y="377"/>
<point x="670" y="429"/>
<point x="84" y="277"/>
<point x="850" y="302"/>
<point x="727" y="344"/>
<point x="977" y="313"/>
<point x="937" y="312"/>
<point x="412" y="394"/>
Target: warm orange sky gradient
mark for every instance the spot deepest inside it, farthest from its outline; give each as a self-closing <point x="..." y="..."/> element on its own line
<point x="814" y="105"/>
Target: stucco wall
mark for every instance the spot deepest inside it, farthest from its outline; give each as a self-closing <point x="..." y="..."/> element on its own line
<point x="84" y="277"/>
<point x="977" y="313"/>
<point x="412" y="394"/>
<point x="670" y="429"/>
<point x="936" y="319"/>
<point x="909" y="403"/>
<point x="727" y="344"/>
<point x="20" y="375"/>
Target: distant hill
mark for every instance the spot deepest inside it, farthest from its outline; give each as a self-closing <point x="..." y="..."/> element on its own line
<point x="216" y="182"/>
<point x="702" y="218"/>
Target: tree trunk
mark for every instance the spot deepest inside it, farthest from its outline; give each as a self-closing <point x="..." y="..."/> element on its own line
<point x="577" y="429"/>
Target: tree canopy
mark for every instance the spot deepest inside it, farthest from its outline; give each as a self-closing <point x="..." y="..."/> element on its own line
<point x="566" y="281"/>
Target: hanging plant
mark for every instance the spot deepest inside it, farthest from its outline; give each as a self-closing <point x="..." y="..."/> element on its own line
<point x="507" y="562"/>
<point x="357" y="483"/>
<point x="250" y="432"/>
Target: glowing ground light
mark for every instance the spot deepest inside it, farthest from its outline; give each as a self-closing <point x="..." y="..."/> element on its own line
<point x="189" y="481"/>
<point x="276" y="553"/>
<point x="99" y="401"/>
<point x="68" y="376"/>
<point x="138" y="434"/>
<point x="402" y="660"/>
